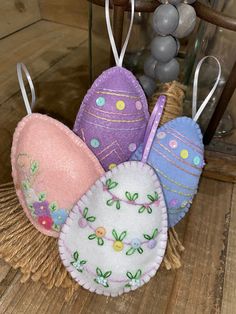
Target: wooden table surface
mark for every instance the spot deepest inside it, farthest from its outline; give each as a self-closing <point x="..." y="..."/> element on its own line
<point x="57" y="58"/>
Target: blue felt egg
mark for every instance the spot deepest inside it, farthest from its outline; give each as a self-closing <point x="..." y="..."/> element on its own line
<point x="177" y="155"/>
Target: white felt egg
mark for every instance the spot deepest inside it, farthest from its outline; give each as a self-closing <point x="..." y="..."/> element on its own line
<point x="115" y="237"/>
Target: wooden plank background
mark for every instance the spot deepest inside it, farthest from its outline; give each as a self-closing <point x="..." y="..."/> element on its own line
<point x="70" y="12"/>
<point x="16" y="14"/>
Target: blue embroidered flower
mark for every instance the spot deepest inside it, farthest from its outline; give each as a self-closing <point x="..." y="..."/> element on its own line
<point x="59" y="216"/>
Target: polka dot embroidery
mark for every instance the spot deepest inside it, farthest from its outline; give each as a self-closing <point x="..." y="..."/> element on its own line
<point x="111" y="166"/>
<point x="100" y="101"/>
<point x="196" y="160"/>
<point x="184" y="153"/>
<point x="173" y="144"/>
<point x="120" y="105"/>
<point x="173" y="203"/>
<point x="161" y="135"/>
<point x="138" y="105"/>
<point x="132" y="147"/>
<point x="95" y="143"/>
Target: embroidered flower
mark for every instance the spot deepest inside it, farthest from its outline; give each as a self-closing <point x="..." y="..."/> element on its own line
<point x="99" y="234"/>
<point x="59" y="216"/>
<point x="78" y="264"/>
<point x="135" y="280"/>
<point x="46" y="222"/>
<point x="152" y="242"/>
<point x="135" y="246"/>
<point x="102" y="277"/>
<point x="41" y="208"/>
<point x="30" y="196"/>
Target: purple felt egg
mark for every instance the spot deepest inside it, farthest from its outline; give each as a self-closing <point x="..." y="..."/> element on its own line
<point x="113" y="117"/>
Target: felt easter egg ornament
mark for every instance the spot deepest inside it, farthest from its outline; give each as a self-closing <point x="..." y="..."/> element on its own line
<point x="114" y="113"/>
<point x="51" y="167"/>
<point x="122" y="243"/>
<point x="177" y="155"/>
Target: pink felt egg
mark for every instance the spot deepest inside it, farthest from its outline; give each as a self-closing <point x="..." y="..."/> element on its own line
<point x="51" y="168"/>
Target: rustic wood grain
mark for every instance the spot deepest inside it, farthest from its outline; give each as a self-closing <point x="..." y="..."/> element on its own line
<point x="198" y="283"/>
<point x="196" y="288"/>
<point x="220" y="166"/>
<point x="39" y="46"/>
<point x="229" y="291"/>
<point x="16" y="14"/>
<point x="70" y="12"/>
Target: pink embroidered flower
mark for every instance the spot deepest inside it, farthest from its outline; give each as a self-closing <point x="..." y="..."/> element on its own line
<point x="41" y="208"/>
<point x="46" y="222"/>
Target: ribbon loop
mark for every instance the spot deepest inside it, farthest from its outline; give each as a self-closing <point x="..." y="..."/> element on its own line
<point x="118" y="59"/>
<point x="152" y="126"/>
<point x="21" y="67"/>
<point x="197" y="113"/>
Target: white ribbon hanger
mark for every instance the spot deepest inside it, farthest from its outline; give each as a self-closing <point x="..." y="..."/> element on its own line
<point x="21" y="67"/>
<point x="197" y="113"/>
<point x="118" y="59"/>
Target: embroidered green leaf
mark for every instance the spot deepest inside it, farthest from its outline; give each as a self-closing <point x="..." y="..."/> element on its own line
<point x="92" y="236"/>
<point x="98" y="271"/>
<point x="122" y="235"/>
<point x="141" y="209"/>
<point x="156" y="196"/>
<point x="130" y="251"/>
<point x="140" y="250"/>
<point x="110" y="202"/>
<point x="91" y="218"/>
<point x="138" y="274"/>
<point x="115" y="235"/>
<point x="53" y="206"/>
<point x="106" y="285"/>
<point x="117" y="204"/>
<point x="34" y="167"/>
<point x="85" y="212"/>
<point x="100" y="241"/>
<point x="129" y="275"/>
<point x="155" y="233"/>
<point x="31" y="207"/>
<point x="42" y="196"/>
<point x="128" y="196"/>
<point x="56" y="227"/>
<point x="76" y="255"/>
<point x="135" y="196"/>
<point x="108" y="182"/>
<point x="25" y="184"/>
<point x="127" y="286"/>
<point x="107" y="274"/>
<point x="151" y="198"/>
<point x="111" y="185"/>
<point x="83" y="262"/>
<point x="147" y="237"/>
<point x="149" y="210"/>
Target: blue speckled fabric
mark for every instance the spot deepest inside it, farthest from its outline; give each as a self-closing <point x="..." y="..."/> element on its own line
<point x="177" y="157"/>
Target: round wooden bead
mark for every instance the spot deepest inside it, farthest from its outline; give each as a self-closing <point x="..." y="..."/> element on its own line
<point x="149" y="66"/>
<point x="164" y="49"/>
<point x="148" y="84"/>
<point x="165" y="19"/>
<point x="189" y="1"/>
<point x="171" y="1"/>
<point x="167" y="72"/>
<point x="187" y="20"/>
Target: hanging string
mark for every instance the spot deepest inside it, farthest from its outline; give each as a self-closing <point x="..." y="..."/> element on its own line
<point x="196" y="114"/>
<point x="152" y="127"/>
<point x="118" y="59"/>
<point x="21" y="67"/>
